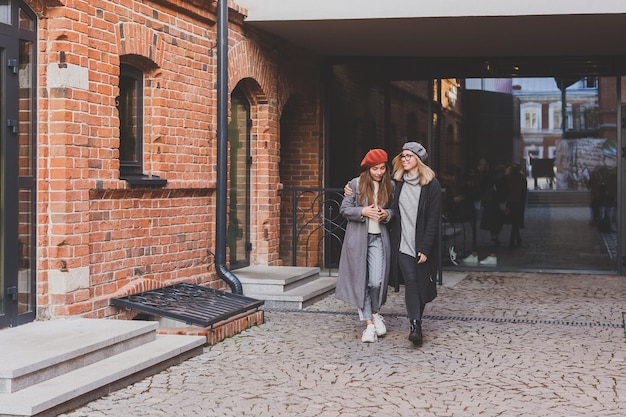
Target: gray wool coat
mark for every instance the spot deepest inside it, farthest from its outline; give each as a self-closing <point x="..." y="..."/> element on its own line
<point x="352" y="280"/>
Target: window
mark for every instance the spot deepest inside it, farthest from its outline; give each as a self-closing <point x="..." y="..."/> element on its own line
<point x="590" y="82"/>
<point x="531" y="116"/>
<point x="5" y="12"/>
<point x="556" y="116"/>
<point x="130" y="110"/>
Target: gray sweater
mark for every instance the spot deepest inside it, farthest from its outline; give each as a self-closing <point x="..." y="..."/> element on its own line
<point x="408" y="203"/>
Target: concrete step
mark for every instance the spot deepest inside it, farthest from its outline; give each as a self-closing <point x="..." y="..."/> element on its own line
<point x="285" y="287"/>
<point x="41" y="350"/>
<point x="262" y="279"/>
<point x="299" y="297"/>
<point x="49" y="367"/>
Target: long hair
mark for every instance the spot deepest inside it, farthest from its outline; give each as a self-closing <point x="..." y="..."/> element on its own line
<point x="366" y="189"/>
<point x="426" y="174"/>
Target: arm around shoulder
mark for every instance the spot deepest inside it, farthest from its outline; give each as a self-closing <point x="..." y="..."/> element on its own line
<point x="349" y="205"/>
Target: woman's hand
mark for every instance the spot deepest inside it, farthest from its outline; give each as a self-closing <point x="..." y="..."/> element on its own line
<point x="374" y="213"/>
<point x="421" y="258"/>
<point x="383" y="215"/>
<point x="347" y="190"/>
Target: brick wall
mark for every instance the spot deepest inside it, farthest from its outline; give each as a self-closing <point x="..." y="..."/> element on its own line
<point x="98" y="237"/>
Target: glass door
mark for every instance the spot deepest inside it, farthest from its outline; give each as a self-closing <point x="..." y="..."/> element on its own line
<point x="26" y="193"/>
<point x="17" y="167"/>
<point x="541" y="171"/>
<point x="9" y="298"/>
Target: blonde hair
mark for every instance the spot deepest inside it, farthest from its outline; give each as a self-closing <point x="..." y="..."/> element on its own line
<point x="425" y="173"/>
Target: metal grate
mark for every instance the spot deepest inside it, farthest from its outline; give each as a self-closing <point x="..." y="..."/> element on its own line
<point x="189" y="303"/>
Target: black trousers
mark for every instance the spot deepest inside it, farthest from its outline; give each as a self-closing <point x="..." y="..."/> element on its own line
<point x="410" y="270"/>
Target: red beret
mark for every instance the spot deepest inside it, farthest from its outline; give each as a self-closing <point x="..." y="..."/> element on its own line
<point x="373" y="158"/>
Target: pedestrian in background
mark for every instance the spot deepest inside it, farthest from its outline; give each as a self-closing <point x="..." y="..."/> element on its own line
<point x="516" y="192"/>
<point x="489" y="183"/>
<point x="366" y="252"/>
<point x="415" y="232"/>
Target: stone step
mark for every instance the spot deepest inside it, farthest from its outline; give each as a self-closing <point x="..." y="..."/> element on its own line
<point x="41" y="350"/>
<point x="69" y="390"/>
<point x="49" y="367"/>
<point x="261" y="279"/>
<point x="285" y="287"/>
<point x="299" y="297"/>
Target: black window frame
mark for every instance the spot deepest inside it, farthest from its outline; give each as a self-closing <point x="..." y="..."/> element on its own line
<point x="15" y="254"/>
<point x="131" y="78"/>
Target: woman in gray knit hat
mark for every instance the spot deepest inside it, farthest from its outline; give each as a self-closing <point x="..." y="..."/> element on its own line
<point x="415" y="233"/>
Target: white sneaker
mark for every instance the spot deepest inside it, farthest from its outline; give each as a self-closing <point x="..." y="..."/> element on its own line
<point x="379" y="324"/>
<point x="489" y="261"/>
<point x="472" y="259"/>
<point x="369" y="334"/>
<point x="453" y="255"/>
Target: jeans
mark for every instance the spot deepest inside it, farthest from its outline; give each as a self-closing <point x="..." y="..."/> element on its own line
<point x="375" y="272"/>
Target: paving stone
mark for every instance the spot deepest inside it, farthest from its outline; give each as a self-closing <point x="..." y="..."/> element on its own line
<point x="496" y="344"/>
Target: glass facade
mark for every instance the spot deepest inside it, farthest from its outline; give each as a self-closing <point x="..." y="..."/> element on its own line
<point x="528" y="164"/>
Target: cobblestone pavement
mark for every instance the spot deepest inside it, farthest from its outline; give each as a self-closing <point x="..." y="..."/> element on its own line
<point x="496" y="344"/>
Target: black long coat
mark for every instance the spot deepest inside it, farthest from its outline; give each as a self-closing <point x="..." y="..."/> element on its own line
<point x="427" y="239"/>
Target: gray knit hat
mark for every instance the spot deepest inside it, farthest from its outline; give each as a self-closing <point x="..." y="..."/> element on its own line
<point x="417" y="149"/>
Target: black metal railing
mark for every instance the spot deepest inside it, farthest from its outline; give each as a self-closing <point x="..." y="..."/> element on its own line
<point x="585" y="122"/>
<point x="312" y="229"/>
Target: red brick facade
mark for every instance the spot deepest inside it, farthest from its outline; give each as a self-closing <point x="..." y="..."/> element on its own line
<point x="99" y="237"/>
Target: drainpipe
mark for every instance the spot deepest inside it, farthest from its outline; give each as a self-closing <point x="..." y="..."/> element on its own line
<point x="222" y="149"/>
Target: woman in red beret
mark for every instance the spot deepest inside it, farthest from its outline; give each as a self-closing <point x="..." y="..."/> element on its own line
<point x="366" y="252"/>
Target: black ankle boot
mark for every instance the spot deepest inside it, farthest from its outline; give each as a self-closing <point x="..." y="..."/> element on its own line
<point x="416" y="332"/>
